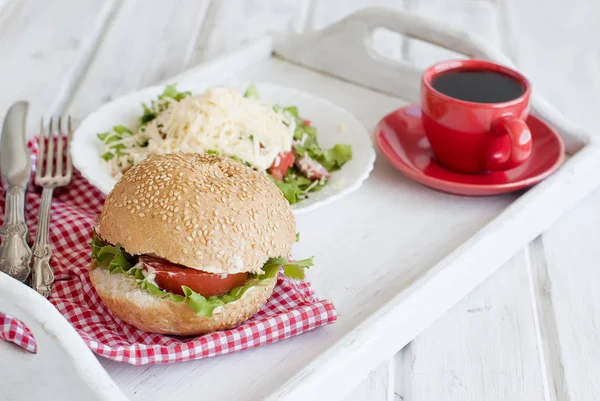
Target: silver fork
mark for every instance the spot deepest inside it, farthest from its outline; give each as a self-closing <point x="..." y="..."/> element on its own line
<point x="49" y="178"/>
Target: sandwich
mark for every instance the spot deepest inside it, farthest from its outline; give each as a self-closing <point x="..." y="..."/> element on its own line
<point x="189" y="244"/>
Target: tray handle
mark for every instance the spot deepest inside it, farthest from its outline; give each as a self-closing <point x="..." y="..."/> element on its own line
<point x="345" y="50"/>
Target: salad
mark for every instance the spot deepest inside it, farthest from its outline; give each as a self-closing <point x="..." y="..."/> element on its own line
<point x="272" y="139"/>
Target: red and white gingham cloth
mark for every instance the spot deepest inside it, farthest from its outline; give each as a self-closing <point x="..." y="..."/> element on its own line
<point x="15" y="331"/>
<point x="291" y="310"/>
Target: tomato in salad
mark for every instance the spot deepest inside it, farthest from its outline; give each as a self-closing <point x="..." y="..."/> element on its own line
<point x="282" y="162"/>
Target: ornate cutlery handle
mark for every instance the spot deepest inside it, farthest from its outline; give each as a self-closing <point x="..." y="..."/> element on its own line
<point x="43" y="274"/>
<point x="15" y="254"/>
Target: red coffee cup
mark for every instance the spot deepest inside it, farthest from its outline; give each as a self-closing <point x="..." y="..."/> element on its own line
<point x="472" y="137"/>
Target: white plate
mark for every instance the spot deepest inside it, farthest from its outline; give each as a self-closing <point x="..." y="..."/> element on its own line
<point x="324" y="116"/>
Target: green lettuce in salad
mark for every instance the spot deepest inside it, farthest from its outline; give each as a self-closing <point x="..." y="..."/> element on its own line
<point x="118" y="261"/>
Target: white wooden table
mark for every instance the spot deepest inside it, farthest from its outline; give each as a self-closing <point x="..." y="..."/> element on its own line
<point x="530" y="331"/>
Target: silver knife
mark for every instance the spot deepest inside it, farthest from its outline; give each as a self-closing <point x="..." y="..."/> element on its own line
<point x="15" y="165"/>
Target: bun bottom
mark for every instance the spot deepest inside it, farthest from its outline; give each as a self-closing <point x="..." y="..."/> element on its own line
<point x="129" y="303"/>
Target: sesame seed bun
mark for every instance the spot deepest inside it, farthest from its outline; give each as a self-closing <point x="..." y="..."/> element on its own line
<point x="204" y="212"/>
<point x="129" y="303"/>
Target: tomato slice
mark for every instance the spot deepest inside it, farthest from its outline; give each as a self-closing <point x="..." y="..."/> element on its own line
<point x="280" y="165"/>
<point x="170" y="277"/>
<point x="277" y="174"/>
<point x="306" y="123"/>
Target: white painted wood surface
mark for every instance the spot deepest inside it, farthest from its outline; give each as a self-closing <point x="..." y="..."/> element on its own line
<point x="552" y="321"/>
<point x="81" y="376"/>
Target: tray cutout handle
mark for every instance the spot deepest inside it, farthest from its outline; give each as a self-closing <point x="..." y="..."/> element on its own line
<point x="389" y="22"/>
<point x="398" y="48"/>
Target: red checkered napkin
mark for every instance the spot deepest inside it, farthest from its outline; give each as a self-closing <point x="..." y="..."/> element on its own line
<point x="291" y="310"/>
<point x="15" y="331"/>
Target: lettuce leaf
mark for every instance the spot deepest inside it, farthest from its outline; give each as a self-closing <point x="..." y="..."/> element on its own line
<point x="171" y="92"/>
<point x="290" y="190"/>
<point x="148" y="115"/>
<point x="293" y="110"/>
<point x="295" y="186"/>
<point x="121" y="129"/>
<point x="203" y="306"/>
<point x="336" y="157"/>
<point x="111" y="141"/>
<point x="291" y="268"/>
<point x="159" y="105"/>
<point x="251" y="92"/>
<point x="117" y="261"/>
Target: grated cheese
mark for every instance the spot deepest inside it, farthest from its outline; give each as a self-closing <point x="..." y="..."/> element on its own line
<point x="222" y="120"/>
<point x="303" y="139"/>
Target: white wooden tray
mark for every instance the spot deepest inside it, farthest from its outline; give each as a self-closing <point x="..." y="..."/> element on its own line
<point x="393" y="256"/>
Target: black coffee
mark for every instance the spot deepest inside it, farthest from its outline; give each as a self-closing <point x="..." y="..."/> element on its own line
<point x="478" y="86"/>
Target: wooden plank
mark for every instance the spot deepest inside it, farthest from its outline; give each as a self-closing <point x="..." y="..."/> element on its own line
<point x="484" y="348"/>
<point x="563" y="271"/>
<point x="567" y="283"/>
<point x="231" y="23"/>
<point x="545" y="319"/>
<point x="3" y="3"/>
<point x="403" y="371"/>
<point x="454" y="358"/>
<point x="143" y="46"/>
<point x="378" y="385"/>
<point x="44" y="46"/>
<point x="557" y="47"/>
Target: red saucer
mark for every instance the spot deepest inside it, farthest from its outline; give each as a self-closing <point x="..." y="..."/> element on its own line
<point x="401" y="139"/>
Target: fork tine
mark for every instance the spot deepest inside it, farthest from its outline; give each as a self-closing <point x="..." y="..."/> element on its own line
<point x="59" y="149"/>
<point x="50" y="151"/>
<point x="68" y="147"/>
<point x="41" y="149"/>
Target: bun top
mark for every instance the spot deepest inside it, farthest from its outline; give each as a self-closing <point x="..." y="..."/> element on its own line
<point x="205" y="212"/>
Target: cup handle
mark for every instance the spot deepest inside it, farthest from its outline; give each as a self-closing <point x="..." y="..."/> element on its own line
<point x="510" y="145"/>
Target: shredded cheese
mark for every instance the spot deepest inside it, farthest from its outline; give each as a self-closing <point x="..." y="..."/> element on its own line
<point x="220" y="120"/>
